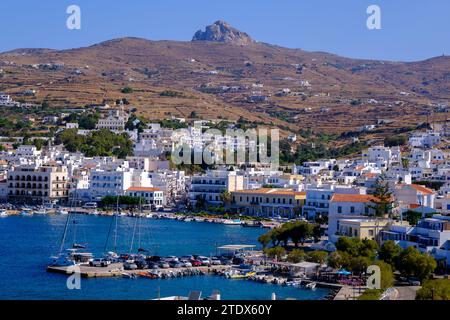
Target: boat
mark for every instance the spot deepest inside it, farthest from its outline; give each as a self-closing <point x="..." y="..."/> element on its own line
<point x="311" y="285"/>
<point x="232" y="222"/>
<point x="3" y="214"/>
<point x="62" y="212"/>
<point x="26" y="212"/>
<point x="129" y="275"/>
<point x="40" y="212"/>
<point x="295" y="283"/>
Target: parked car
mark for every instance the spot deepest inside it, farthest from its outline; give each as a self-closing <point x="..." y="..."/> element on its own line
<point x="189" y="258"/>
<point x="196" y="263"/>
<point x="171" y="258"/>
<point x="204" y="260"/>
<point x="186" y="263"/>
<point x="176" y="264"/>
<point x="130" y="265"/>
<point x="226" y="261"/>
<point x="141" y="264"/>
<point x="215" y="261"/>
<point x="99" y="263"/>
<point x="164" y="265"/>
<point x="153" y="265"/>
<point x="414" y="282"/>
<point x="153" y="259"/>
<point x="238" y="261"/>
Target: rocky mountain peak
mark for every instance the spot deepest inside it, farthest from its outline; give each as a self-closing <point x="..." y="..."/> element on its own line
<point x="221" y="31"/>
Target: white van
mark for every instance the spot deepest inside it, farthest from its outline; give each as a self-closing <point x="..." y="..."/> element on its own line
<point x="90" y="205"/>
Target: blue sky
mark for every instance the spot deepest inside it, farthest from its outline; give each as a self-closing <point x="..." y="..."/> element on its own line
<point x="411" y="29"/>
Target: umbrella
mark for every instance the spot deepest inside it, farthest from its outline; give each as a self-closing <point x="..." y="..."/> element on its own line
<point x="344" y="272"/>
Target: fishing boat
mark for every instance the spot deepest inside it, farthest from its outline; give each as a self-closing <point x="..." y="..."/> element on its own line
<point x="3" y="214"/>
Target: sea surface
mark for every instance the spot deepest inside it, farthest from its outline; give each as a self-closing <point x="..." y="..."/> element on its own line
<point x="27" y="243"/>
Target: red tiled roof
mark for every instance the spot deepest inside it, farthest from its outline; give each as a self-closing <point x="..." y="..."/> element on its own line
<point x="362" y="198"/>
<point x="422" y="189"/>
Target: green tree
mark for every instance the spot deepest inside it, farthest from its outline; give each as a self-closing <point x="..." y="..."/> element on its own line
<point x="413" y="217"/>
<point x="387" y="275"/>
<point x="412" y="263"/>
<point x="383" y="201"/>
<point x="265" y="239"/>
<point x="275" y="252"/>
<point x="299" y="231"/>
<point x="338" y="259"/>
<point x="226" y="198"/>
<point x="434" y="290"/>
<point x="127" y="90"/>
<point x="318" y="256"/>
<point x="296" y="256"/>
<point x="359" y="264"/>
<point x="389" y="252"/>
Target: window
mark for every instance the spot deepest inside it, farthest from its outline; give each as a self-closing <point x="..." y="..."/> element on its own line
<point x="352" y="209"/>
<point x="339" y="209"/>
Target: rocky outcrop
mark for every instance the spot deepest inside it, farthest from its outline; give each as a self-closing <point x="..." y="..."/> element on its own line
<point x="221" y="31"/>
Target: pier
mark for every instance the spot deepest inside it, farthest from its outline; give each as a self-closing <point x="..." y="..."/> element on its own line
<point x="117" y="270"/>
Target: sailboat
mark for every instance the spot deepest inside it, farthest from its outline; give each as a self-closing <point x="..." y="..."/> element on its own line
<point x="70" y="256"/>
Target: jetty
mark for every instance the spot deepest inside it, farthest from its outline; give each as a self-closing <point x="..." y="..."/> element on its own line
<point x="117" y="270"/>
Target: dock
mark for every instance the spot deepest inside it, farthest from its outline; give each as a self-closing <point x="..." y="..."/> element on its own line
<point x="117" y="270"/>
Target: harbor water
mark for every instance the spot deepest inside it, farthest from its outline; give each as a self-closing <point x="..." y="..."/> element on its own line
<point x="27" y="243"/>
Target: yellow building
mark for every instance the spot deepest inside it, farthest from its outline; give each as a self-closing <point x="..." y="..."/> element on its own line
<point x="364" y="228"/>
<point x="268" y="202"/>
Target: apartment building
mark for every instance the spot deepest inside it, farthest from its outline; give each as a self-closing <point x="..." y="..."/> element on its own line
<point x="211" y="185"/>
<point x="38" y="184"/>
<point x="268" y="202"/>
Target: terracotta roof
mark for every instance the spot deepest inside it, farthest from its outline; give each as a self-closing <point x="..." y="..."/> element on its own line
<point x="362" y="198"/>
<point x="143" y="189"/>
<point x="370" y="175"/>
<point x="414" y="206"/>
<point x="421" y="189"/>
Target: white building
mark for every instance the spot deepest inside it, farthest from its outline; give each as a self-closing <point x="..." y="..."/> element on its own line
<point x="151" y="196"/>
<point x="425" y="140"/>
<point x="115" y="121"/>
<point x="211" y="185"/>
<point x="347" y="206"/>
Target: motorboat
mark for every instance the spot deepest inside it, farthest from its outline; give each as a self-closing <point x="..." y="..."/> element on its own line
<point x="232" y="222"/>
<point x="26" y="212"/>
<point x="311" y="285"/>
<point x="62" y="212"/>
<point x="3" y="214"/>
<point x="129" y="275"/>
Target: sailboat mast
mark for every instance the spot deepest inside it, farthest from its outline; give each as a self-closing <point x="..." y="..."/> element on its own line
<point x="115" y="231"/>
